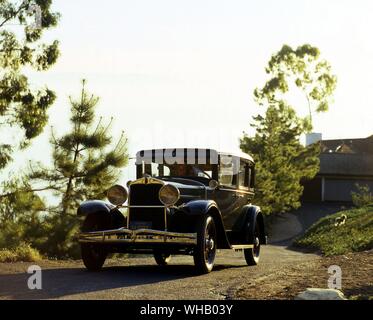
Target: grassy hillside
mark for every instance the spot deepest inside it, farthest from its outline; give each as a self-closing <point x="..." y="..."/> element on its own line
<point x="356" y="234"/>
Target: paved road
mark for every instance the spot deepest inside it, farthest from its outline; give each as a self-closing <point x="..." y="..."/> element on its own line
<point x="141" y="278"/>
<point x="292" y="224"/>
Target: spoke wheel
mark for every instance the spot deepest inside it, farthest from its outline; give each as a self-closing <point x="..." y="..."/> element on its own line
<point x="205" y="251"/>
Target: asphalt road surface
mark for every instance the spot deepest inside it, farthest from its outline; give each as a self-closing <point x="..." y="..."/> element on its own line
<point x="141" y="278"/>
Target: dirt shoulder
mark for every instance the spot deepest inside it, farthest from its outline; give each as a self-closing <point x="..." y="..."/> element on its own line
<point x="289" y="280"/>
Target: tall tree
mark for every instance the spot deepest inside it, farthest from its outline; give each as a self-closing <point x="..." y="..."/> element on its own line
<point x="302" y="68"/>
<point x="85" y="166"/>
<point x="22" y="24"/>
<point x="281" y="160"/>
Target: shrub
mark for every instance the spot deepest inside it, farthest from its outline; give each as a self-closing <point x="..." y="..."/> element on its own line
<point x="356" y="234"/>
<point x="362" y="197"/>
<point x="52" y="235"/>
<point x="23" y="252"/>
<point x="7" y="255"/>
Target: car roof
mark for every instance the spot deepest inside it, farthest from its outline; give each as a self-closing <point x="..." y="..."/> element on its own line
<point x="238" y="154"/>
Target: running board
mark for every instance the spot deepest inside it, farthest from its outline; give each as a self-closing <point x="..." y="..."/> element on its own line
<point x="239" y="247"/>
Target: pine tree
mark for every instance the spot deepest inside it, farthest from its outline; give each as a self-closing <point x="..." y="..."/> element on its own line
<point x="85" y="166"/>
<point x="281" y="160"/>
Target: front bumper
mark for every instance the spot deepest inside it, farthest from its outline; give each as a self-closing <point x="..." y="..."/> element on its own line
<point x="143" y="236"/>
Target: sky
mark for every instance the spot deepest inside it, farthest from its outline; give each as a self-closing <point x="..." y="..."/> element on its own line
<point x="177" y="73"/>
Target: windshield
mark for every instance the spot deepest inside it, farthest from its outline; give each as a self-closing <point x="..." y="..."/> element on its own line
<point x="178" y="170"/>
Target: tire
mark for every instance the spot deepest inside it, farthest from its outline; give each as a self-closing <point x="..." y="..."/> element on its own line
<point x="162" y="259"/>
<point x="252" y="255"/>
<point x="205" y="251"/>
<point x="94" y="255"/>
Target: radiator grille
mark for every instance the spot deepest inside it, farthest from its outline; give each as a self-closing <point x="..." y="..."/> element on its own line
<point x="146" y="195"/>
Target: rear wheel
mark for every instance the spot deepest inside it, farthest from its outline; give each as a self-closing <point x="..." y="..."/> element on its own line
<point x="94" y="255"/>
<point x="205" y="251"/>
<point x="162" y="259"/>
<point x="252" y="254"/>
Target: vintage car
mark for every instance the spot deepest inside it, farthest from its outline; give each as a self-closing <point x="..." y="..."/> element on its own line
<point x="183" y="201"/>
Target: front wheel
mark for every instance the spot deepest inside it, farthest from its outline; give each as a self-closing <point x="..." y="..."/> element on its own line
<point x="94" y="255"/>
<point x="252" y="254"/>
<point x="205" y="251"/>
<point x="162" y="259"/>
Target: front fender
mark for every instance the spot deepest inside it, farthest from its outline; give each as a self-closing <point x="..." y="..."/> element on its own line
<point x="198" y="207"/>
<point x="98" y="207"/>
<point x="93" y="207"/>
<point x="204" y="207"/>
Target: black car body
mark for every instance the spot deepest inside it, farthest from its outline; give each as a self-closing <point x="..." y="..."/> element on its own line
<point x="183" y="201"/>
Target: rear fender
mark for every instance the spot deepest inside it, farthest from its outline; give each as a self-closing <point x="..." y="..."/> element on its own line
<point x="252" y="216"/>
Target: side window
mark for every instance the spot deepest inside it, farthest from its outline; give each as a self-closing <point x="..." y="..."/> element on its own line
<point x="227" y="173"/>
<point x="251" y="177"/>
<point x="243" y="175"/>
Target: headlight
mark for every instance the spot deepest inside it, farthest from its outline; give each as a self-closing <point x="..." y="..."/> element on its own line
<point x="117" y="195"/>
<point x="169" y="195"/>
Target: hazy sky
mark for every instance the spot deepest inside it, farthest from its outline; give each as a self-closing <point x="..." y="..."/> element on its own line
<point x="182" y="73"/>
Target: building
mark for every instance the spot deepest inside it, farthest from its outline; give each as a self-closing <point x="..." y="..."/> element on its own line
<point x="343" y="164"/>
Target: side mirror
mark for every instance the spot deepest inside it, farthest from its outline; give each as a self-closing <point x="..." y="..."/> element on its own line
<point x="128" y="183"/>
<point x="213" y="184"/>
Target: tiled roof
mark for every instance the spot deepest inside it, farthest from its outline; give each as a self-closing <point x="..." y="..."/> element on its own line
<point x="357" y="146"/>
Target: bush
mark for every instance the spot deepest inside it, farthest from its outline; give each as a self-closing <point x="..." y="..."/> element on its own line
<point x="23" y="252"/>
<point x="59" y="237"/>
<point x="7" y="255"/>
<point x="53" y="236"/>
<point x="362" y="197"/>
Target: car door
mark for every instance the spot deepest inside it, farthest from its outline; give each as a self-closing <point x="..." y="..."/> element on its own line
<point x="245" y="183"/>
<point x="226" y="196"/>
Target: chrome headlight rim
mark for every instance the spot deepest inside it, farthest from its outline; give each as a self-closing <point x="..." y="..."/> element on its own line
<point x="117" y="194"/>
<point x="171" y="199"/>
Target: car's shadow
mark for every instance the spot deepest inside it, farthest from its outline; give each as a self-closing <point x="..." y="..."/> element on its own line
<point x="62" y="282"/>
